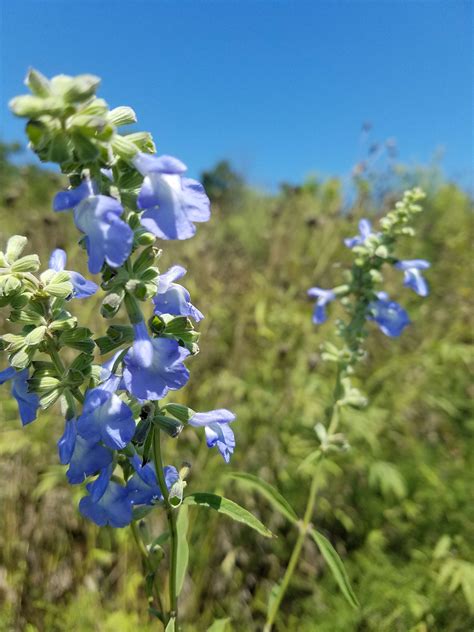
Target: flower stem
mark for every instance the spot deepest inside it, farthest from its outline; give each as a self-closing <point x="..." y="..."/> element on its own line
<point x="146" y="560"/>
<point x="333" y="420"/>
<point x="171" y="515"/>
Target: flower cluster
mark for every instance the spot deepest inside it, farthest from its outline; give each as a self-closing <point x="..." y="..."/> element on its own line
<point x="122" y="197"/>
<point x="373" y="250"/>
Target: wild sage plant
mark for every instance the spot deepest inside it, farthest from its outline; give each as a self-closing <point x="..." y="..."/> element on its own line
<point x="123" y="198"/>
<point x="363" y="302"/>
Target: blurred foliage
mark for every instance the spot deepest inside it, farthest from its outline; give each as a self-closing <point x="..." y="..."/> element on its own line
<point x="397" y="506"/>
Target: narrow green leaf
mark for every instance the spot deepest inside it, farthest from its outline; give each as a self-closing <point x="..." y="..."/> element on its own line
<point x="229" y="508"/>
<point x="183" y="548"/>
<point x="267" y="491"/>
<point x="219" y="625"/>
<point x="336" y="566"/>
<point x="171" y="627"/>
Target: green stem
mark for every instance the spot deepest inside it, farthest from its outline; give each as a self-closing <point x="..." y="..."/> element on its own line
<point x="333" y="420"/>
<point x="171" y="515"/>
<point x="146" y="561"/>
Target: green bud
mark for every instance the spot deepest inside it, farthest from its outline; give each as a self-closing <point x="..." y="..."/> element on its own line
<point x="169" y="425"/>
<point x="43" y="384"/>
<point x="37" y="83"/>
<point x="21" y="359"/>
<point x="48" y="399"/>
<point x="14" y="342"/>
<point x="15" y="247"/>
<point x="122" y="115"/>
<point x="97" y="107"/>
<point x="29" y="263"/>
<point x="144" y="260"/>
<point x="111" y="304"/>
<point x="65" y="322"/>
<point x="382" y="252"/>
<point x="144" y="238"/>
<point x="143" y="140"/>
<point x="59" y="290"/>
<point x="9" y="285"/>
<point x="78" y="338"/>
<point x="81" y="88"/>
<point x="183" y="413"/>
<point x="35" y="337"/>
<point x="124" y="147"/>
<point x="32" y="107"/>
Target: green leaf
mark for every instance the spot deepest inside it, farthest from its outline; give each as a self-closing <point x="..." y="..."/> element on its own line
<point x="336" y="566"/>
<point x="229" y="508"/>
<point x="267" y="491"/>
<point x="171" y="627"/>
<point x="219" y="625"/>
<point x="183" y="548"/>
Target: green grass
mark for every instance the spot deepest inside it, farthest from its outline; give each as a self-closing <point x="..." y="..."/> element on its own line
<point x="397" y="506"/>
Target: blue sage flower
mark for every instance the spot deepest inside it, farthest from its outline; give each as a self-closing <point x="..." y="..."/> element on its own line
<point x="412" y="275"/>
<point x="172" y="203"/>
<point x="108" y="237"/>
<point x="105" y="417"/>
<point x="324" y="297"/>
<point x="143" y="486"/>
<point x="389" y="315"/>
<point x="82" y="288"/>
<point x="28" y="403"/>
<point x="84" y="457"/>
<point x="108" y="502"/>
<point x="365" y="231"/>
<point x="173" y="298"/>
<point x="154" y="366"/>
<point x="217" y="429"/>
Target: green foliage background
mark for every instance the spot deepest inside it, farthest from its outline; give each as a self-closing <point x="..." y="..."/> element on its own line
<point x="397" y="506"/>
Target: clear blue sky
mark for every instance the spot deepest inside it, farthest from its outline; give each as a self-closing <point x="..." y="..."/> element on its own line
<point x="280" y="88"/>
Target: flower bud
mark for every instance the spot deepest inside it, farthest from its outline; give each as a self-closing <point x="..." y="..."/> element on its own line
<point x="122" y="115"/>
<point x="37" y="83"/>
<point x="30" y="263"/>
<point x="15" y="247"/>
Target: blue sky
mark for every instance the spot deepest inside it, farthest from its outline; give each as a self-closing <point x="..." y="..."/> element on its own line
<point x="280" y="88"/>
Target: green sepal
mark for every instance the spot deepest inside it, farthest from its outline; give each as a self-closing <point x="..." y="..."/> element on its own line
<point x="15" y="246"/>
<point x="29" y="263"/>
<point x="37" y="83"/>
<point x="183" y="413"/>
<point x="169" y="425"/>
<point x="36" y="336"/>
<point x="78" y="338"/>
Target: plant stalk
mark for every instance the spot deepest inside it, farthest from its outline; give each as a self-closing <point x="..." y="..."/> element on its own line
<point x="171" y="516"/>
<point x="333" y="419"/>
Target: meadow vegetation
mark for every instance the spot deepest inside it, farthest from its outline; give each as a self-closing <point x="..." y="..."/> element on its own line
<point x="397" y="506"/>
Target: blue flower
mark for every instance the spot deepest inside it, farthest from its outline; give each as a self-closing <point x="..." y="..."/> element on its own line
<point x="389" y="315"/>
<point x="82" y="288"/>
<point x="143" y="486"/>
<point x="171" y="202"/>
<point x="108" y="502"/>
<point x="365" y="231"/>
<point x="108" y="238"/>
<point x="217" y="429"/>
<point x="324" y="297"/>
<point x="106" y="417"/>
<point x="173" y="298"/>
<point x="28" y="403"/>
<point x="84" y="457"/>
<point x="413" y="277"/>
<point x="154" y="366"/>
